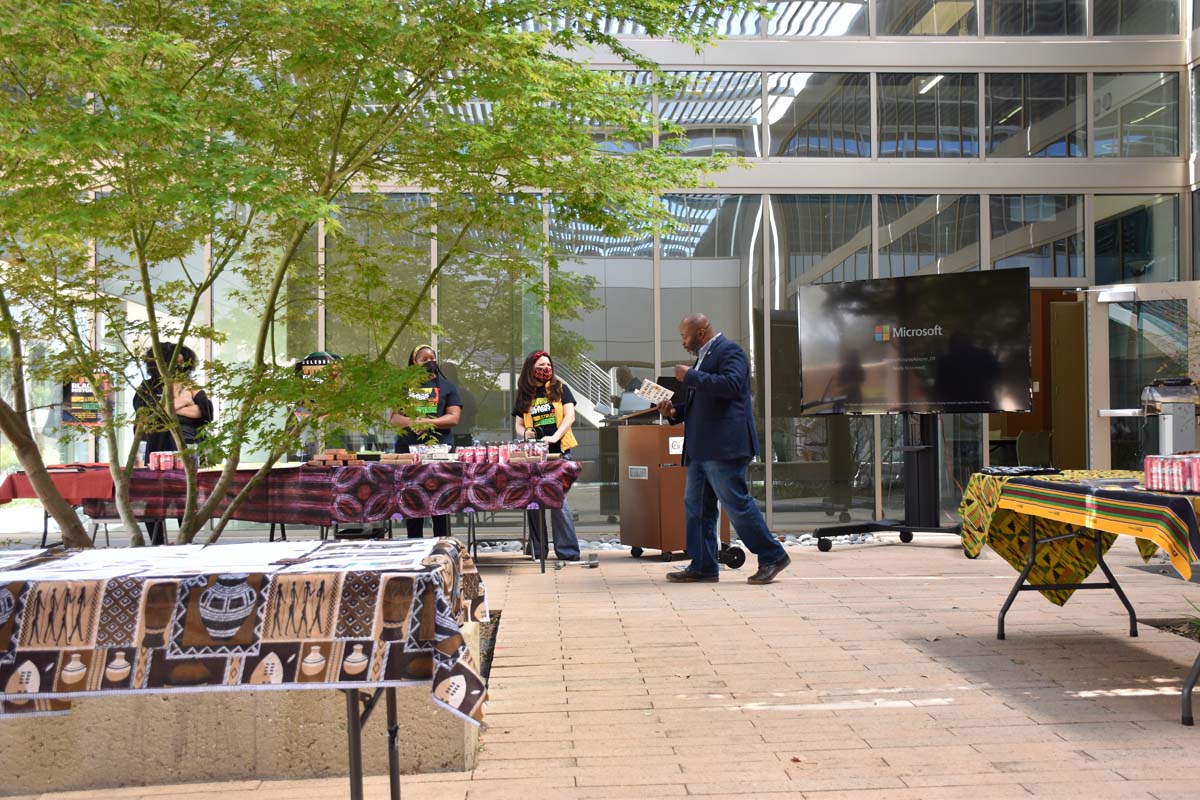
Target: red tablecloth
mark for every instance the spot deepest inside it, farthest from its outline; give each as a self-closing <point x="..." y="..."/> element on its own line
<point x="86" y="482"/>
<point x="368" y="493"/>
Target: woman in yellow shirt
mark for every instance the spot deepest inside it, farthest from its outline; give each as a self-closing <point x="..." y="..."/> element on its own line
<point x="545" y="411"/>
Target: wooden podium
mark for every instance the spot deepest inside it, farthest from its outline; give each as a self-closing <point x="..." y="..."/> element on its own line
<point x="652" y="479"/>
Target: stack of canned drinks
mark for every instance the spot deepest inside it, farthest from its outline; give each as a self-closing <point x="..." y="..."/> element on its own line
<point x="165" y="460"/>
<point x="1177" y="473"/>
<point x="502" y="452"/>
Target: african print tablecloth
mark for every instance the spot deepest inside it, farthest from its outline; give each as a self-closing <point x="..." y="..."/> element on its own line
<point x="368" y="493"/>
<point x="284" y="615"/>
<point x="996" y="510"/>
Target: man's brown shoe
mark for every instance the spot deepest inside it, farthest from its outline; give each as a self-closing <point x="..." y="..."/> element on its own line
<point x="687" y="576"/>
<point x="768" y="573"/>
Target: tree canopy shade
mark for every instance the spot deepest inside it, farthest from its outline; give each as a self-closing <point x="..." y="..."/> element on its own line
<point x="136" y="134"/>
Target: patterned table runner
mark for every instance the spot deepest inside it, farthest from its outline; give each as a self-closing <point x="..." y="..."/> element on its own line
<point x="996" y="509"/>
<point x="281" y="615"/>
<point x="371" y="492"/>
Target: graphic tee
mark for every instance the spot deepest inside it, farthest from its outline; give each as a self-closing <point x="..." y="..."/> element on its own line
<point x="541" y="410"/>
<point x="432" y="399"/>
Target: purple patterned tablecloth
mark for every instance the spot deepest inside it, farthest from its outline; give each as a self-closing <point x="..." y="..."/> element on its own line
<point x="368" y="493"/>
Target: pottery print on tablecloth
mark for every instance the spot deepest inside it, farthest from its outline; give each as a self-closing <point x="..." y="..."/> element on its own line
<point x="218" y="615"/>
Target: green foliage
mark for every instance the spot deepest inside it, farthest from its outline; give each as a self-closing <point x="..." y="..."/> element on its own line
<point x="159" y="131"/>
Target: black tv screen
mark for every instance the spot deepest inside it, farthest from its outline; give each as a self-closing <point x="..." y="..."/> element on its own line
<point x="953" y="343"/>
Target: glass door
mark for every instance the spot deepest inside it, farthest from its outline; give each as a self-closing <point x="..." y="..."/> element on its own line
<point x="1136" y="334"/>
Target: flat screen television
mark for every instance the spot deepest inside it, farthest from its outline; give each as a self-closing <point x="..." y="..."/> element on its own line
<point x="953" y="343"/>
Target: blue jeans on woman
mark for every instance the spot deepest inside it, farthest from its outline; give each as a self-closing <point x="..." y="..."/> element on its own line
<point x="562" y="524"/>
<point x="708" y="482"/>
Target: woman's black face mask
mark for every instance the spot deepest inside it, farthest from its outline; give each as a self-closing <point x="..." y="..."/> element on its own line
<point x="431" y="366"/>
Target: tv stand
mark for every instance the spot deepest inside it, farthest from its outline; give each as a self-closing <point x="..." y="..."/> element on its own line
<point x="921" y="498"/>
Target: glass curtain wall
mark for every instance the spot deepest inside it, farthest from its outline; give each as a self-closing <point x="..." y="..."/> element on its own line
<point x="928" y="115"/>
<point x="718" y="112"/>
<point x="1036" y="115"/>
<point x="925" y="17"/>
<point x="1135" y="17"/>
<point x="819" y="114"/>
<point x="1136" y="114"/>
<point x="1137" y="238"/>
<point x="931" y="233"/>
<point x="805" y="18"/>
<point x="1036" y="17"/>
<point x="1043" y="232"/>
<point x="712" y="263"/>
<point x="823" y="465"/>
<point x="615" y="351"/>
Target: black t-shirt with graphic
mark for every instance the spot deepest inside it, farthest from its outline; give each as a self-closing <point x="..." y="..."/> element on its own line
<point x="432" y="398"/>
<point x="542" y="412"/>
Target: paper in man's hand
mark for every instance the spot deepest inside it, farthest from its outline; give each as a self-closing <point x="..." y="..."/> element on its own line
<point x="649" y="390"/>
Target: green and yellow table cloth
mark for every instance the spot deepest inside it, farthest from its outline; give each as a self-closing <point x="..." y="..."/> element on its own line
<point x="996" y="509"/>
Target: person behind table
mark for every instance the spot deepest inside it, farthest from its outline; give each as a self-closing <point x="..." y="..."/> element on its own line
<point x="545" y="411"/>
<point x="439" y="406"/>
<point x="718" y="443"/>
<point x="193" y="410"/>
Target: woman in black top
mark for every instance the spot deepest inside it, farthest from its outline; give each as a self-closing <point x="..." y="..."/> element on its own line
<point x="193" y="410"/>
<point x="438" y="405"/>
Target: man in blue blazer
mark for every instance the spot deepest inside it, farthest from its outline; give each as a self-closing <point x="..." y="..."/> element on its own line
<point x="718" y="443"/>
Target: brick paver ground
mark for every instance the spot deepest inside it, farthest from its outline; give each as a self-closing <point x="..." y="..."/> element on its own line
<point x="869" y="672"/>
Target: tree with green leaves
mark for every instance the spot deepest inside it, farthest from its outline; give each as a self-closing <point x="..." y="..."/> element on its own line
<point x="152" y="151"/>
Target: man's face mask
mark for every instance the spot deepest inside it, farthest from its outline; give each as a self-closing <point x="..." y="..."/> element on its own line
<point x="543" y="374"/>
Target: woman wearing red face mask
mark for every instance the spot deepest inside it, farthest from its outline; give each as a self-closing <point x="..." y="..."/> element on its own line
<point x="545" y="411"/>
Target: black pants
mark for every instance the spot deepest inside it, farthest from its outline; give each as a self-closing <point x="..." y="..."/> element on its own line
<point x="416" y="527"/>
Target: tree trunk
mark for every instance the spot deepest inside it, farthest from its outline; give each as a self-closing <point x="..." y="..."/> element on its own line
<point x="16" y="428"/>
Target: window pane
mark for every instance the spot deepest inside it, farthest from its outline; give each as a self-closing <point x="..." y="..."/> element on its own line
<point x="720" y="112"/>
<point x="1036" y="17"/>
<point x="1135" y="17"/>
<point x="707" y="264"/>
<point x="1137" y="238"/>
<point x="794" y="18"/>
<point x="1036" y="115"/>
<point x="600" y="353"/>
<point x="926" y="17"/>
<point x="823" y="465"/>
<point x="1043" y="232"/>
<point x="931" y="115"/>
<point x="1137" y="114"/>
<point x="924" y="234"/>
<point x="819" y="114"/>
<point x="820" y="238"/>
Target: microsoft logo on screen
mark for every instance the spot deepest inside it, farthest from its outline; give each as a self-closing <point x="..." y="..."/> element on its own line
<point x="885" y="333"/>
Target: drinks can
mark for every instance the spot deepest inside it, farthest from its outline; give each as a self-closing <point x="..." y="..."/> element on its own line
<point x="177" y="461"/>
<point x="493" y="453"/>
<point x="504" y="453"/>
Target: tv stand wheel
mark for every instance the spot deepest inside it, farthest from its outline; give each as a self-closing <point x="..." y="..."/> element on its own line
<point x="636" y="552"/>
<point x="824" y="545"/>
<point x="667" y="555"/>
<point x="906" y="536"/>
<point x="732" y="557"/>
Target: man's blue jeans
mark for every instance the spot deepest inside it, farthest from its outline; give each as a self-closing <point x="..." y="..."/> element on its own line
<point x="708" y="482"/>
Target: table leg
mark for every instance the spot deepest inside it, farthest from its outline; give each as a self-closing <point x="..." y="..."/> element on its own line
<point x="1012" y="595"/>
<point x="45" y="526"/>
<point x="1116" y="587"/>
<point x="1188" y="685"/>
<point x="545" y="537"/>
<point x="393" y="730"/>
<point x="354" y="743"/>
<point x="1020" y="586"/>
